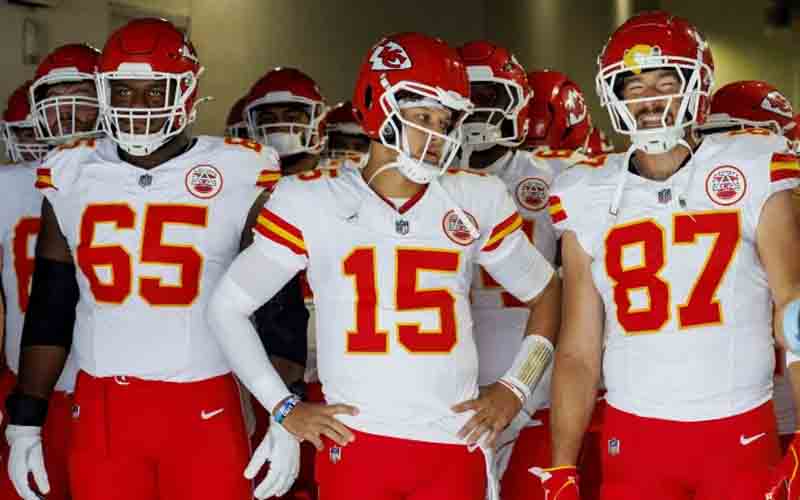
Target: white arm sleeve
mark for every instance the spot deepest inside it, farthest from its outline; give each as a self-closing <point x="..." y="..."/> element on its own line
<point x="240" y="292"/>
<point x="519" y="267"/>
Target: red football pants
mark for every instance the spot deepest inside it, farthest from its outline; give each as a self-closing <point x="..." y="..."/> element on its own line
<point x="667" y="460"/>
<point x="55" y="442"/>
<point x="134" y="439"/>
<point x="532" y="449"/>
<point x="385" y="468"/>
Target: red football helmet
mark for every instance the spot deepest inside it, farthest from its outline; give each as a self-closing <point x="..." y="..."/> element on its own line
<point x="559" y="118"/>
<point x="746" y="104"/>
<point x="500" y="91"/>
<point x="346" y="137"/>
<point x="236" y="126"/>
<point x="16" y="128"/>
<point x="648" y="41"/>
<point x="304" y="132"/>
<point x="152" y="50"/>
<point x="412" y="70"/>
<point x="60" y="116"/>
<point x="597" y="143"/>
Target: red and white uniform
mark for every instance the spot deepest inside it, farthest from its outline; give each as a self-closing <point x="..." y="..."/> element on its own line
<point x="688" y="312"/>
<point x="20" y="207"/>
<point x="391" y="290"/>
<point x="499" y="318"/>
<point x="149" y="246"/>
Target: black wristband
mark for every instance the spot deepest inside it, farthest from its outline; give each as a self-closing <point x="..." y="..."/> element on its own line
<point x="26" y="410"/>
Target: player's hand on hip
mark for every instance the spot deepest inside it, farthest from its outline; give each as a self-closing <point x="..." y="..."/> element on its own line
<point x="25" y="456"/>
<point x="310" y="421"/>
<point x="494" y="408"/>
<point x="559" y="483"/>
<point x="282" y="450"/>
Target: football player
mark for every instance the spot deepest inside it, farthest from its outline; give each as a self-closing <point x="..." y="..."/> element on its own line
<point x="389" y="255"/>
<point x="136" y="229"/>
<point x="500" y="92"/>
<point x="286" y="111"/>
<point x="749" y="104"/>
<point x="235" y="125"/>
<point x="346" y="138"/>
<point x="64" y="96"/>
<point x="16" y="129"/>
<point x="673" y="254"/>
<point x="19" y="227"/>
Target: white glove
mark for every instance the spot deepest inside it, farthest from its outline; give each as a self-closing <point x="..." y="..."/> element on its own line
<point x="26" y="457"/>
<point x="282" y="450"/>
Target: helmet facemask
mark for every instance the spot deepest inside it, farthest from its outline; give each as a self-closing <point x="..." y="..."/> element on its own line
<point x="696" y="78"/>
<point x="394" y="129"/>
<point x="16" y="150"/>
<point x="288" y="137"/>
<point x="56" y="118"/>
<point x="348" y="142"/>
<point x="494" y="121"/>
<point x="140" y="131"/>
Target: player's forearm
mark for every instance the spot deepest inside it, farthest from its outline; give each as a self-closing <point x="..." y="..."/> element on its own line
<point x="39" y="370"/>
<point x="545" y="311"/>
<point x="573" y="397"/>
<point x="237" y="295"/>
<point x="48" y="327"/>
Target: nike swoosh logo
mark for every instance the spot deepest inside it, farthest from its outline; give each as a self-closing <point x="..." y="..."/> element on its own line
<point x="744" y="441"/>
<point x="211" y="414"/>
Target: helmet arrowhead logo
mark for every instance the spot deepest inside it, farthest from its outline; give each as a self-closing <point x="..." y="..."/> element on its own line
<point x="389" y="56"/>
<point x="576" y="106"/>
<point x="777" y="103"/>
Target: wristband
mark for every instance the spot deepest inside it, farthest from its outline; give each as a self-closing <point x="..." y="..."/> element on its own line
<point x="286" y="408"/>
<point x="529" y="364"/>
<point x="26" y="410"/>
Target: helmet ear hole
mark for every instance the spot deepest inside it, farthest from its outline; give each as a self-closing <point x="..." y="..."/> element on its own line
<point x="368" y="97"/>
<point x="387" y="133"/>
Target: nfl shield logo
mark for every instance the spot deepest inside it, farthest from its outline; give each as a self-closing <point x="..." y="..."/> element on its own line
<point x="335" y="454"/>
<point x="145" y="180"/>
<point x="665" y="196"/>
<point x="613" y="447"/>
<point x="401" y="226"/>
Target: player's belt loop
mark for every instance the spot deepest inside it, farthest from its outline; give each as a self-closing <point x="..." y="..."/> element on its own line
<point x="122" y="380"/>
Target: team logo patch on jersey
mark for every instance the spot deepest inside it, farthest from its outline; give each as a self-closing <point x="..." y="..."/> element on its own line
<point x="204" y="181"/>
<point x="389" y="56"/>
<point x="726" y="185"/>
<point x="532" y="193"/>
<point x="456" y="230"/>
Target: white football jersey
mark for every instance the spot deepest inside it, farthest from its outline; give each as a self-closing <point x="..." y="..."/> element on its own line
<point x="150" y="245"/>
<point x="20" y="207"/>
<point x="500" y="319"/>
<point x="354" y="161"/>
<point x="688" y="310"/>
<point x="391" y="290"/>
